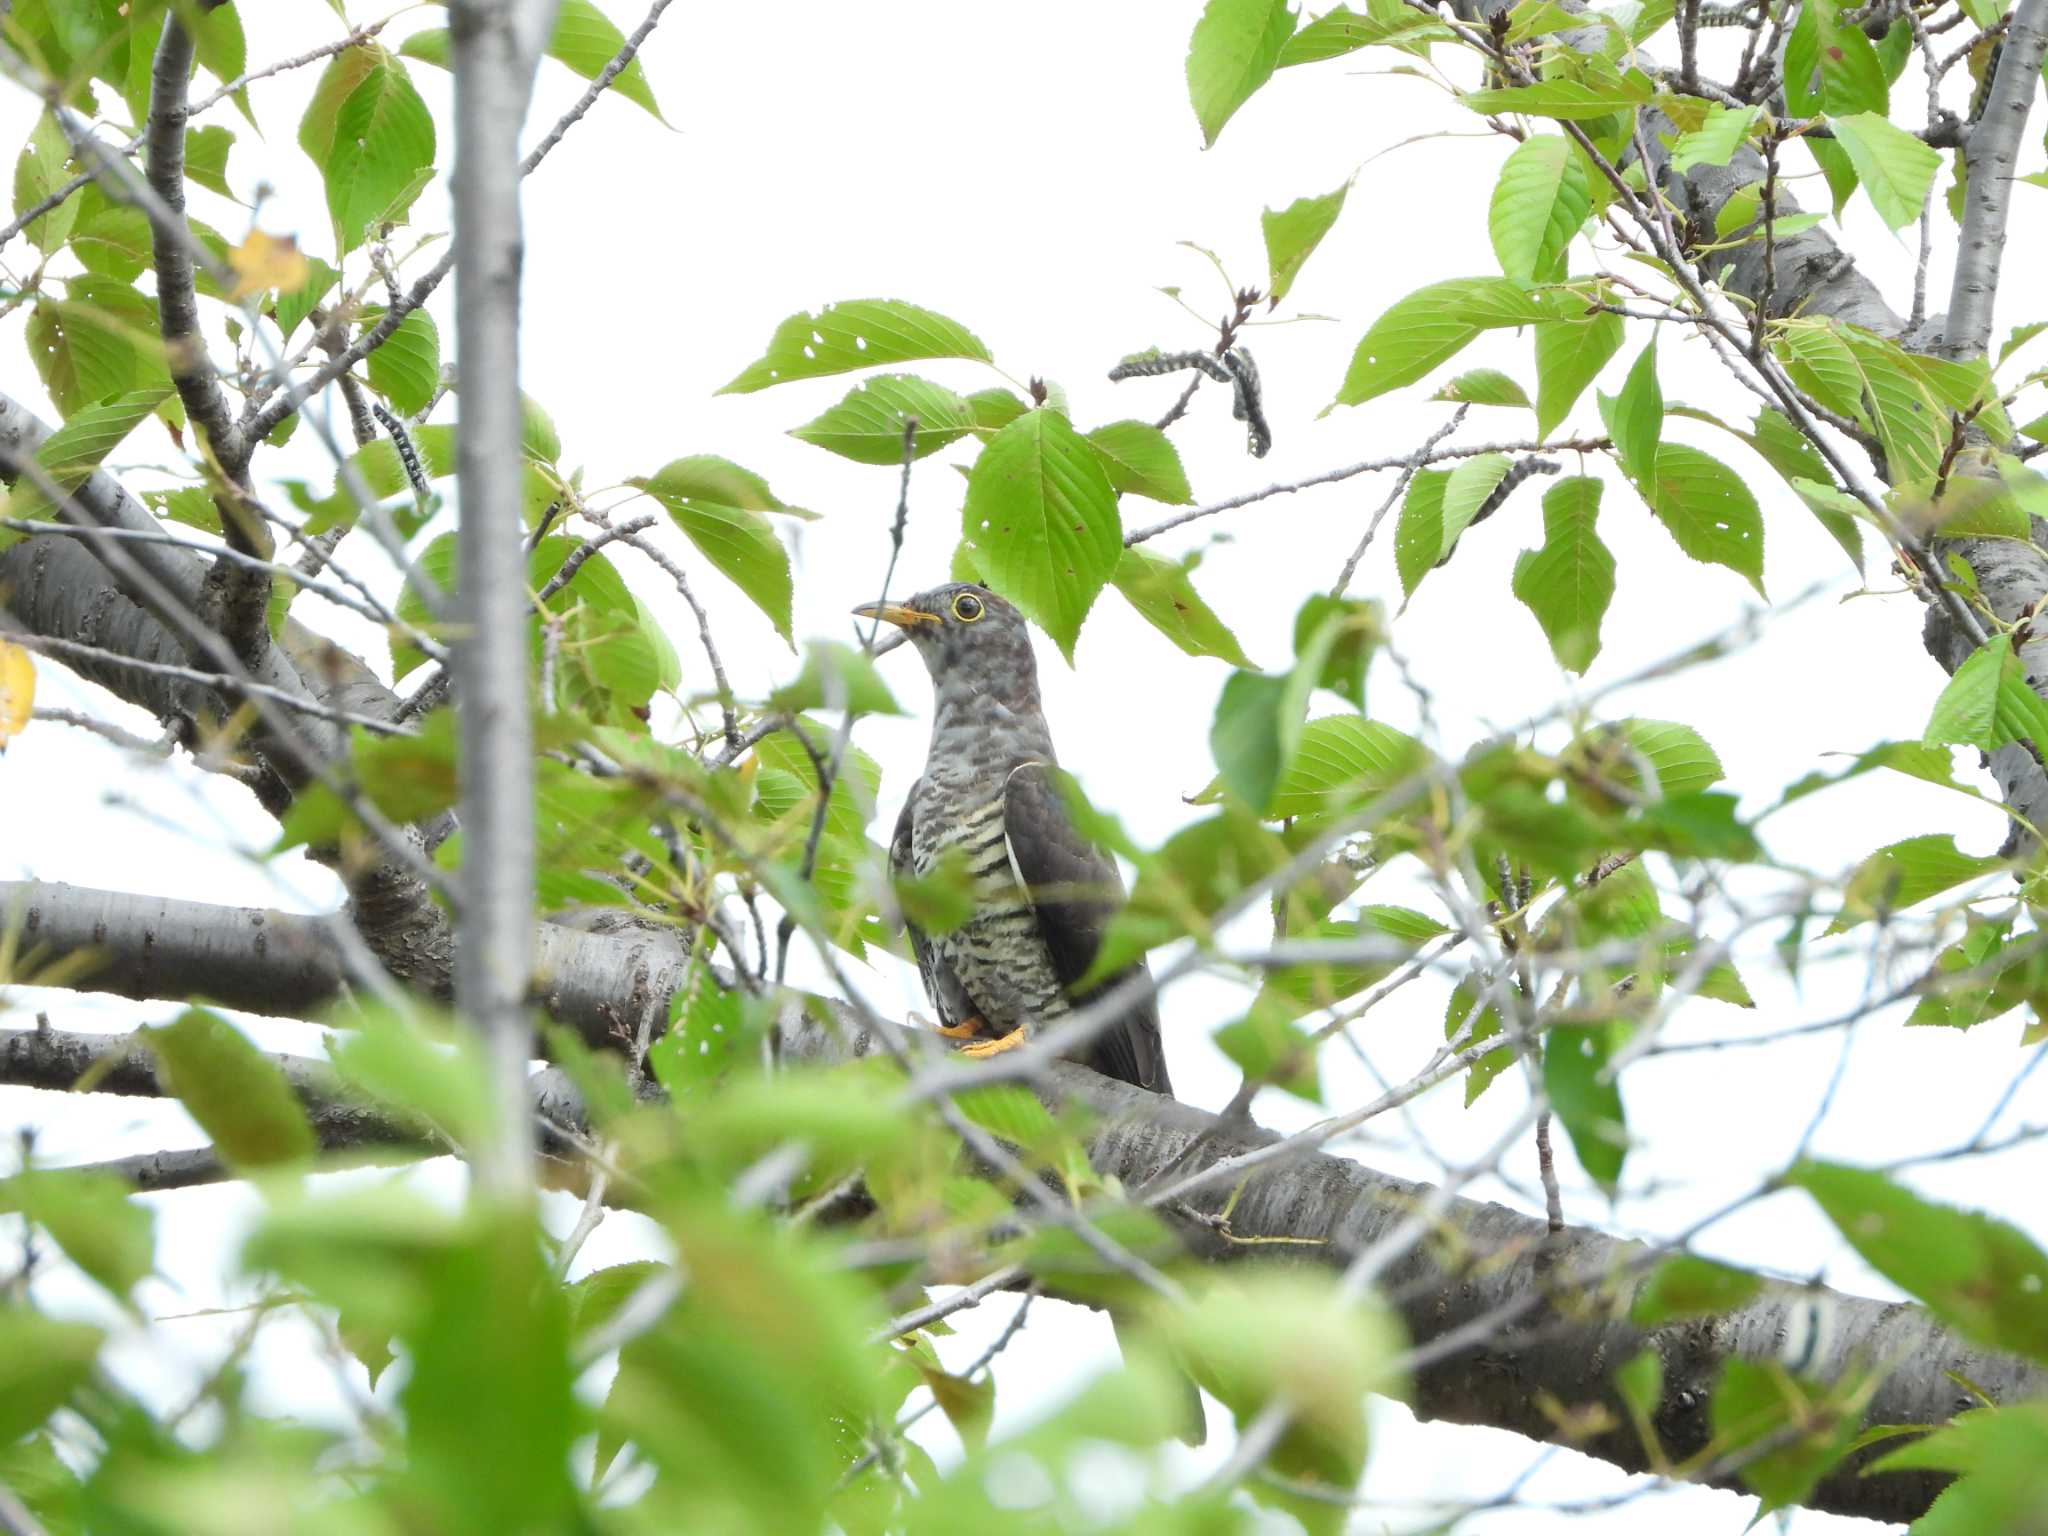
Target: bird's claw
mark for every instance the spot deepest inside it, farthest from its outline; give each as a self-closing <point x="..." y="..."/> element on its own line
<point x="1009" y="1042"/>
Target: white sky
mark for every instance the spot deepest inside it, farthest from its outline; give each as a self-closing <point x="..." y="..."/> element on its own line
<point x="1028" y="172"/>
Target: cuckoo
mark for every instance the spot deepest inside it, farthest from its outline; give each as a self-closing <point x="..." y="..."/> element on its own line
<point x="1041" y="891"/>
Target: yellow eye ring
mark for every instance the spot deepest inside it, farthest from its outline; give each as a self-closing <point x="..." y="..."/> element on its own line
<point x="967" y="608"/>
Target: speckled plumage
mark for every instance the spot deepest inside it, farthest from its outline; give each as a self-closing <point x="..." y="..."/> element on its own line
<point x="1042" y="892"/>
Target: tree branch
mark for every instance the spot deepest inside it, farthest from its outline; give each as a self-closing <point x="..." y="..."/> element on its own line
<point x="1500" y="1336"/>
<point x="1992" y="155"/>
<point x="496" y="46"/>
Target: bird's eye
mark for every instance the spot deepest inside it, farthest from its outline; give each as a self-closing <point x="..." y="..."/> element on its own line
<point x="967" y="608"/>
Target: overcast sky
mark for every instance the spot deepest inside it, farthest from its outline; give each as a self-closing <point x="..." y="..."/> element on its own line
<point x="1029" y="172"/>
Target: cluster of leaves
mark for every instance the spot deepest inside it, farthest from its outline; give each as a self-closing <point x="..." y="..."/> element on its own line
<point x="754" y="1378"/>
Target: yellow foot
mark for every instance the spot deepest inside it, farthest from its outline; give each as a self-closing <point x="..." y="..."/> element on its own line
<point x="1009" y="1042"/>
<point x="966" y="1029"/>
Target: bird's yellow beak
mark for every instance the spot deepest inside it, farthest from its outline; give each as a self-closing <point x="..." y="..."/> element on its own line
<point x="895" y="613"/>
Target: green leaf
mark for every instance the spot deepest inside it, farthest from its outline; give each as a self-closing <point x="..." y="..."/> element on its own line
<point x="376" y="142"/>
<point x="1896" y="169"/>
<point x="1758" y="1405"/>
<point x="1569" y="354"/>
<point x="1234" y="49"/>
<point x="1341" y="30"/>
<point x="100" y="340"/>
<point x="41" y="1362"/>
<point x="836" y="677"/>
<point x="1715" y="141"/>
<point x="1569" y="582"/>
<point x="1539" y="202"/>
<point x="1437" y="511"/>
<point x="1266" y="1045"/>
<point x="994" y="409"/>
<point x="1635" y="418"/>
<point x="1989" y="702"/>
<point x="1341" y="762"/>
<point x="1293" y="233"/>
<point x="1903" y="874"/>
<point x="1975" y="1272"/>
<point x="238" y="1095"/>
<point x="1141" y="460"/>
<point x="1253" y="735"/>
<point x="1467" y="1005"/>
<point x="1705" y="506"/>
<point x="856" y="334"/>
<point x="586" y="41"/>
<point x="721" y="508"/>
<point x="1431" y="326"/>
<point x="1161" y="591"/>
<point x="1571" y="101"/>
<point x="69" y="455"/>
<point x="1686" y="1285"/>
<point x="1825" y="45"/>
<point x="867" y="426"/>
<point x="43" y="167"/>
<point x="288" y="309"/>
<point x="406" y="368"/>
<point x="1357" y="627"/>
<point x="91" y="1217"/>
<point x="1484" y="386"/>
<point x="1677" y="757"/>
<point x="1041" y="522"/>
<point x="206" y="157"/>
<point x="1574" y="1058"/>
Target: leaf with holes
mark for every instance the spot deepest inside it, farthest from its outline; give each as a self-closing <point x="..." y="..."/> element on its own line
<point x="1041" y="520"/>
<point x="1586" y="1099"/>
<point x="1539" y="202"/>
<point x="856" y="334"/>
<point x="1707" y="509"/>
<point x="44" y="166"/>
<point x="1569" y="582"/>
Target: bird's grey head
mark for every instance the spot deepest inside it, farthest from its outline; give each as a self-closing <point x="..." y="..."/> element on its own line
<point x="976" y="646"/>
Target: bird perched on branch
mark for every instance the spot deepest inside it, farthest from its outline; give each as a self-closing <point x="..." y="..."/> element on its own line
<point x="1042" y="893"/>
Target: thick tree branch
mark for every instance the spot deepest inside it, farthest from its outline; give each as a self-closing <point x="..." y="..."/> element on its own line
<point x="1502" y="1342"/>
<point x="1992" y="155"/>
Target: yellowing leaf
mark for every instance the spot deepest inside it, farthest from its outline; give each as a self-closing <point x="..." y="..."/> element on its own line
<point x="17" y="691"/>
<point x="263" y="262"/>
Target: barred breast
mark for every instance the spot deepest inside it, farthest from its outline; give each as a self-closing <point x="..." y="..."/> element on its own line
<point x="998" y="954"/>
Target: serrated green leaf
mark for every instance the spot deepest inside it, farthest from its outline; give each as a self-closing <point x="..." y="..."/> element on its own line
<point x="1715" y="141"/>
<point x="1568" y="583"/>
<point x="835" y="677"/>
<point x="377" y="146"/>
<point x="1635" y="417"/>
<point x="1571" y="101"/>
<point x="1707" y="509"/>
<point x="1569" y="354"/>
<point x="867" y="425"/>
<point x="1431" y="326"/>
<point x="44" y="166"/>
<point x="206" y="158"/>
<point x="1141" y="461"/>
<point x="1539" y="201"/>
<point x="720" y="507"/>
<point x="1232" y="52"/>
<point x="1484" y="386"/>
<point x="1293" y="233"/>
<point x="1896" y="169"/>
<point x="91" y="1216"/>
<point x="1160" y="589"/>
<point x="406" y="367"/>
<point x="1903" y="874"/>
<point x="1041" y="522"/>
<point x="1357" y="627"/>
<point x="1974" y="1271"/>
<point x="1340" y="30"/>
<point x="69" y="455"/>
<point x="1575" y="1059"/>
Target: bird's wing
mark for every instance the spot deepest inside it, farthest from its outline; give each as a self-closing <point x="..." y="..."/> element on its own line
<point x="1076" y="890"/>
<point x="941" y="986"/>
